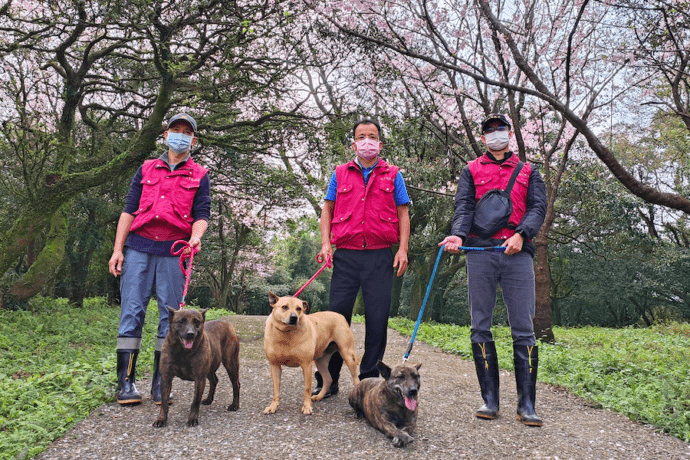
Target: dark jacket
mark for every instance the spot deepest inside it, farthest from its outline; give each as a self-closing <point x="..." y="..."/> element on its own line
<point x="466" y="200"/>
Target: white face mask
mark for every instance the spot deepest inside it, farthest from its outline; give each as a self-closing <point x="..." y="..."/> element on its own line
<point x="498" y="140"/>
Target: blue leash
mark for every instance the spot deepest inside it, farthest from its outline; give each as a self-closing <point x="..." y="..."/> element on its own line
<point x="431" y="282"/>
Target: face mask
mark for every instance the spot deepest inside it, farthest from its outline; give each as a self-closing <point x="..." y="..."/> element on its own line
<point x="178" y="142"/>
<point x="367" y="149"/>
<point x="498" y="140"/>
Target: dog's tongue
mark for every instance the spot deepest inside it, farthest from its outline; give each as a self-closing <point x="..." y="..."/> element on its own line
<point x="188" y="343"/>
<point x="410" y="403"/>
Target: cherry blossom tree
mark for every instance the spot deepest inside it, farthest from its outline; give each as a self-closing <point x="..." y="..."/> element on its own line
<point x="88" y="85"/>
<point x="563" y="70"/>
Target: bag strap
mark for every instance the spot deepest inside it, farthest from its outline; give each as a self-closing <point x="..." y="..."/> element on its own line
<point x="518" y="168"/>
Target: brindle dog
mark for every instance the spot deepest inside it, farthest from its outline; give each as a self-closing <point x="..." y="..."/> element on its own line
<point x="193" y="350"/>
<point x="390" y="403"/>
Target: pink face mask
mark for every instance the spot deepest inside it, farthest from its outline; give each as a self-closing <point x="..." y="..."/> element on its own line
<point x="367" y="149"/>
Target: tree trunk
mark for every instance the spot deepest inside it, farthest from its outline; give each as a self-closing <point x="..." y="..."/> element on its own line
<point x="48" y="261"/>
<point x="395" y="295"/>
<point x="542" y="317"/>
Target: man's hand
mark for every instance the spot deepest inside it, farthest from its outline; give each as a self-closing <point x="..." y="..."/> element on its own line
<point x="115" y="263"/>
<point x="513" y="244"/>
<point x="400" y="261"/>
<point x="451" y="243"/>
<point x="326" y="253"/>
<point x="194" y="242"/>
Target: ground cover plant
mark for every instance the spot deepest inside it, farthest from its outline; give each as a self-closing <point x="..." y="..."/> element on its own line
<point x="640" y="372"/>
<point x="57" y="364"/>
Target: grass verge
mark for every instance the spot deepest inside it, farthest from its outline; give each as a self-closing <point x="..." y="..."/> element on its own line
<point x="57" y="364"/>
<point x="642" y="373"/>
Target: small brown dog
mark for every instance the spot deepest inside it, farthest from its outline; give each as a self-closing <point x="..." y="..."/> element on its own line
<point x="193" y="350"/>
<point x="293" y="338"/>
<point x="390" y="403"/>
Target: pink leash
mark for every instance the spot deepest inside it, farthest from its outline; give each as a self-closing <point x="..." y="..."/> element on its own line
<point x="328" y="264"/>
<point x="187" y="272"/>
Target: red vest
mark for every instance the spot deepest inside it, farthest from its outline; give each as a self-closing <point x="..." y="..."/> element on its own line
<point x="165" y="206"/>
<point x="488" y="175"/>
<point x="365" y="217"/>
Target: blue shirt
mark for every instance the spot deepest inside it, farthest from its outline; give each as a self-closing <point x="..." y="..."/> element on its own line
<point x="400" y="195"/>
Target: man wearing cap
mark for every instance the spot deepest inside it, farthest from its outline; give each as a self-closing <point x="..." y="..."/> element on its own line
<point x="513" y="268"/>
<point x="169" y="199"/>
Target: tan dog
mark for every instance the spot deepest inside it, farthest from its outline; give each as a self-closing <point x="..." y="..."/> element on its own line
<point x="390" y="403"/>
<point x="293" y="338"/>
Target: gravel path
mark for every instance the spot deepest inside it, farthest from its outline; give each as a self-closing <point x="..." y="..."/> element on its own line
<point x="446" y="426"/>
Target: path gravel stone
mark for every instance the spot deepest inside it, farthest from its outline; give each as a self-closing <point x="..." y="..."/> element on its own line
<point x="446" y="426"/>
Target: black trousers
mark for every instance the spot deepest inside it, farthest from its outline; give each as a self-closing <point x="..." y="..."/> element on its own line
<point x="371" y="270"/>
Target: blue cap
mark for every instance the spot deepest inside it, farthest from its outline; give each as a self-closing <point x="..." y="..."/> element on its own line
<point x="184" y="117"/>
<point x="493" y="117"/>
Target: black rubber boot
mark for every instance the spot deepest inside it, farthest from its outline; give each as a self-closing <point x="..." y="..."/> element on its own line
<point x="486" y="364"/>
<point x="526" y="363"/>
<point x="126" y="370"/>
<point x="156" y="381"/>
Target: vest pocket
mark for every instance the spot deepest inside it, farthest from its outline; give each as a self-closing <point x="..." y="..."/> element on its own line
<point x="344" y="188"/>
<point x="190" y="184"/>
<point x="143" y="207"/>
<point x="150" y="181"/>
<point x="388" y="228"/>
<point x="339" y="227"/>
<point x="484" y="183"/>
<point x="387" y="187"/>
<point x="387" y="217"/>
<point x="343" y="218"/>
<point x="184" y="216"/>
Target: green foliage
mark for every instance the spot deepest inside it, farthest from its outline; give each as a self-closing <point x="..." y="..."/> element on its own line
<point x="57" y="364"/>
<point x="295" y="263"/>
<point x="642" y="373"/>
<point x="609" y="265"/>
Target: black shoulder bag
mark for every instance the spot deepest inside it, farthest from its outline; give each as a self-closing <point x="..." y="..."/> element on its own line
<point x="494" y="209"/>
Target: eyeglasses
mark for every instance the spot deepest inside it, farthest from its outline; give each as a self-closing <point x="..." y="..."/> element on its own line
<point x="497" y="128"/>
<point x="370" y="136"/>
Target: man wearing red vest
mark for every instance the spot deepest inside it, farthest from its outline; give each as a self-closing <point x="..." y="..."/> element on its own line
<point x="513" y="269"/>
<point x="364" y="215"/>
<point x="169" y="199"/>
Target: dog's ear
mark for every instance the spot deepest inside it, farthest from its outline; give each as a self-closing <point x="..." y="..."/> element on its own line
<point x="385" y="370"/>
<point x="417" y="366"/>
<point x="305" y="305"/>
<point x="203" y="313"/>
<point x="172" y="311"/>
<point x="272" y="299"/>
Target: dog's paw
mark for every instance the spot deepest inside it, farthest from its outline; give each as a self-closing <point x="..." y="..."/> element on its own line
<point x="193" y="422"/>
<point x="306" y="409"/>
<point x="271" y="409"/>
<point x="234" y="406"/>
<point x="402" y="440"/>
<point x="207" y="402"/>
<point x="160" y="423"/>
